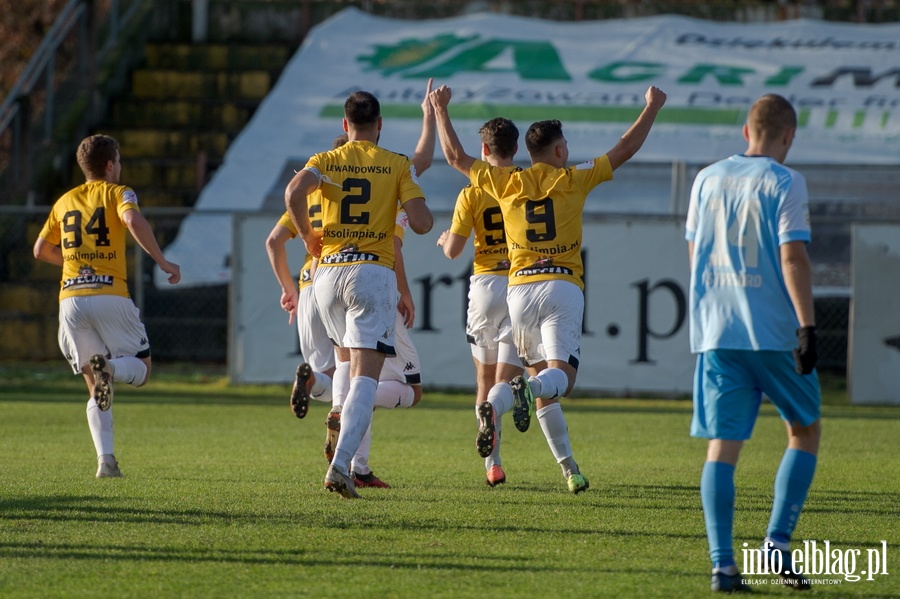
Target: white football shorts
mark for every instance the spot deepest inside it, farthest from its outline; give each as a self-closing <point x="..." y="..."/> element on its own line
<point x="405" y="366"/>
<point x="100" y="324"/>
<point x="357" y="303"/>
<point x="488" y="328"/>
<point x="316" y="347"/>
<point x="546" y="320"/>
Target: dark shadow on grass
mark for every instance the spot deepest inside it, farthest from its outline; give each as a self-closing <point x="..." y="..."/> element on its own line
<point x="277" y="395"/>
<point x="98" y="509"/>
<point x="314" y="557"/>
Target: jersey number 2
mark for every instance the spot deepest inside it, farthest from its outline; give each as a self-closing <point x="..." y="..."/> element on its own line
<point x="363" y="195"/>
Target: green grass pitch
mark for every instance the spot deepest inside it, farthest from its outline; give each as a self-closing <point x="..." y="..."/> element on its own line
<point x="223" y="497"/>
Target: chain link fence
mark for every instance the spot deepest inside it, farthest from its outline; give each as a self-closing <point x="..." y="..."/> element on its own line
<point x="191" y="324"/>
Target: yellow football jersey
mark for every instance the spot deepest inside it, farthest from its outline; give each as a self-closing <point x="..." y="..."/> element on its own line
<point x="361" y="184"/>
<point x="87" y="224"/>
<point x="314" y="208"/>
<point x="542" y="212"/>
<point x="477" y="210"/>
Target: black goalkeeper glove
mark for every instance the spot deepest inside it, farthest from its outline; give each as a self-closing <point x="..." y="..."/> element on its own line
<point x="805" y="354"/>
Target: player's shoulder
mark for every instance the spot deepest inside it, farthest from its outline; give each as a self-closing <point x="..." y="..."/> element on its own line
<point x="396" y="154"/>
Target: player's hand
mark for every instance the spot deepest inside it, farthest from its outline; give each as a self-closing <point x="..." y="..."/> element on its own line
<point x="440" y="97"/>
<point x="443" y="238"/>
<point x="805" y="354"/>
<point x="427" y="108"/>
<point x="289" y="304"/>
<point x="655" y="97"/>
<point x="313" y="244"/>
<point x="171" y="269"/>
<point x="407" y="309"/>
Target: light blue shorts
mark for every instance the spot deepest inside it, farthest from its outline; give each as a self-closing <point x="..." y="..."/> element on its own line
<point x="728" y="389"/>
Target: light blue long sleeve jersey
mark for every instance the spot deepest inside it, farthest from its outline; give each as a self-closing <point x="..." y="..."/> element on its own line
<point x="741" y="210"/>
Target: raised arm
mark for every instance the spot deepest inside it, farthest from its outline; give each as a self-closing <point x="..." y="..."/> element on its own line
<point x="143" y="234"/>
<point x="453" y="151"/>
<point x="634" y="138"/>
<point x="424" y="153"/>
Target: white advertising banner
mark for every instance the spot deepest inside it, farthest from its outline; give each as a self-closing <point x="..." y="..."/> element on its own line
<point x="874" y="356"/>
<point x="635" y="334"/>
<point x="262" y="346"/>
<point x="842" y="78"/>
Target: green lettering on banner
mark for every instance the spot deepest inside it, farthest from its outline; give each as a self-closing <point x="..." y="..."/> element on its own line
<point x="784" y="76"/>
<point x="531" y="60"/>
<point x="595" y="114"/>
<point x="723" y="74"/>
<point x="628" y="72"/>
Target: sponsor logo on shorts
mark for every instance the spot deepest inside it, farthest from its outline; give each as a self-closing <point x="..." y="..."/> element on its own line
<point x="88" y="279"/>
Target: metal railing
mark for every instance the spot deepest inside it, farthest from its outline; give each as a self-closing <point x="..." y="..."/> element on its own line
<point x="59" y="74"/>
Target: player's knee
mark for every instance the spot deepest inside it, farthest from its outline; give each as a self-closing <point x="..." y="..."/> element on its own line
<point x="417" y="394"/>
<point x="811" y="432"/>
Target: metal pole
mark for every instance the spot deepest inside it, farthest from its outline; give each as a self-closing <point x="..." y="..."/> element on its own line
<point x="200" y="21"/>
<point x="51" y="96"/>
<point x="139" y="278"/>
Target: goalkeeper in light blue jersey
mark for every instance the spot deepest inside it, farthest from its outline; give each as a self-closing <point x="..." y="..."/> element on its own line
<point x="753" y="330"/>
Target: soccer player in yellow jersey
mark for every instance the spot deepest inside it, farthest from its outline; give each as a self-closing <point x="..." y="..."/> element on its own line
<point x="400" y="383"/>
<point x="487" y="318"/>
<point x="355" y="284"/>
<point x="542" y="211"/>
<point x="100" y="331"/>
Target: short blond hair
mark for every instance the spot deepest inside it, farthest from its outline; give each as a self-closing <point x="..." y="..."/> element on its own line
<point x="770" y="117"/>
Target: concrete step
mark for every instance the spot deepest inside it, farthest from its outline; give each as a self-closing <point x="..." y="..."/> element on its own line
<point x="160" y="143"/>
<point x="171" y="84"/>
<point x="217" y="57"/>
<point x="229" y="117"/>
<point x="143" y="173"/>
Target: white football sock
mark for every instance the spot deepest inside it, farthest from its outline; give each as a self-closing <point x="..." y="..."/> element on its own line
<point x="553" y="423"/>
<point x="360" y="463"/>
<point x="552" y="383"/>
<point x="340" y="383"/>
<point x="355" y="420"/>
<point x="501" y="397"/>
<point x="394" y="394"/>
<point x="129" y="370"/>
<point x="101" y="425"/>
<point x="321" y="389"/>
